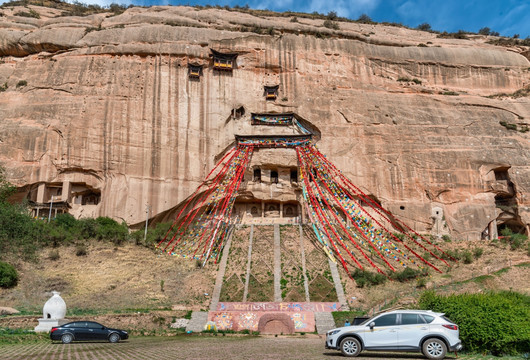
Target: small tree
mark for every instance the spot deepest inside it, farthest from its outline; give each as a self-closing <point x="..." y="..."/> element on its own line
<point x="424" y="27"/>
<point x="364" y="19"/>
<point x="332" y="15"/>
<point x="6" y="188"/>
<point x="8" y="275"/>
<point x="484" y="31"/>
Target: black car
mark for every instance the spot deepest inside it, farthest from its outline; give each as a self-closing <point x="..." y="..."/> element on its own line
<point x="86" y="331"/>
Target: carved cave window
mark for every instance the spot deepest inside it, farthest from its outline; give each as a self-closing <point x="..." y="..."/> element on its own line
<point x="294" y="176"/>
<point x="257" y="175"/>
<point x="274" y="176"/>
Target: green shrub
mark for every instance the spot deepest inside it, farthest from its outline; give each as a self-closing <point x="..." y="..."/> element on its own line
<point x="407" y="274"/>
<point x="22" y="83"/>
<point x="110" y="230"/>
<point x="446" y="238"/>
<point x="340" y="317"/>
<point x="421" y="283"/>
<point x="515" y="241"/>
<point x="154" y="235"/>
<point x="8" y="275"/>
<point x="467" y="257"/>
<point x="32" y="14"/>
<point x="66" y="221"/>
<point x="331" y="24"/>
<point x="81" y="250"/>
<point x="54" y="255"/>
<point x="496" y="322"/>
<point x="366" y="278"/>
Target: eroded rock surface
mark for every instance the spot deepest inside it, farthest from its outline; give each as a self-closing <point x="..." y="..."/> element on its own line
<point x="103" y="103"/>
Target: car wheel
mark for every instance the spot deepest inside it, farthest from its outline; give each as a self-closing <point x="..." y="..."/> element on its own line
<point x="67" y="338"/>
<point x="350" y="347"/>
<point x="434" y="349"/>
<point x="114" y="338"/>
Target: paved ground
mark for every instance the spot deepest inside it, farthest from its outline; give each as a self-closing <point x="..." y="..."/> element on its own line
<point x="193" y="348"/>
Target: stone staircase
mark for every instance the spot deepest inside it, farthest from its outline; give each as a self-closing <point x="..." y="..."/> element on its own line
<point x="198" y="321"/>
<point x="324" y="322"/>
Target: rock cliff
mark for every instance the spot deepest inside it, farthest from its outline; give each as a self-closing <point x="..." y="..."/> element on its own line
<point x="99" y="111"/>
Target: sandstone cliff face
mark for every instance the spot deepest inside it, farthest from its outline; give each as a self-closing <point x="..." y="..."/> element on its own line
<point x="108" y="107"/>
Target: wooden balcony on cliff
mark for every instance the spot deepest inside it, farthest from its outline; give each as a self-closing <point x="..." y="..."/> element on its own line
<point x="223" y="61"/>
<point x="271" y="92"/>
<point x="283" y="119"/>
<point x="273" y="141"/>
<point x="194" y="71"/>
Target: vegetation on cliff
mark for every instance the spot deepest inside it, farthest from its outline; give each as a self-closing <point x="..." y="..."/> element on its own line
<point x="331" y="19"/>
<point x="21" y="235"/>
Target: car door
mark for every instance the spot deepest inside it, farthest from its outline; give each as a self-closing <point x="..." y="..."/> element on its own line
<point x="95" y="331"/>
<point x="80" y="331"/>
<point x="383" y="335"/>
<point x="412" y="329"/>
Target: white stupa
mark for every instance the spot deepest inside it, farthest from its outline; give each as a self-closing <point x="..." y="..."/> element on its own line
<point x="54" y="311"/>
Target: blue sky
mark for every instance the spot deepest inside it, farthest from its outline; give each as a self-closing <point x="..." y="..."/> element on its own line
<point x="508" y="17"/>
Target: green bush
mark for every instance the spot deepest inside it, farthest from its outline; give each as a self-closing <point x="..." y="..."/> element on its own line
<point x="407" y="274"/>
<point x="54" y="255"/>
<point x="340" y="317"/>
<point x="496" y="322"/>
<point x="8" y="275"/>
<point x="477" y="252"/>
<point x="331" y="24"/>
<point x="154" y="235"/>
<point x="467" y="257"/>
<point x="81" y="250"/>
<point x="515" y="241"/>
<point x="366" y="278"/>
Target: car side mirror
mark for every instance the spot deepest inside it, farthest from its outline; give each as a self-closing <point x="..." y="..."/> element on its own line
<point x="372" y="324"/>
<point x="103" y="328"/>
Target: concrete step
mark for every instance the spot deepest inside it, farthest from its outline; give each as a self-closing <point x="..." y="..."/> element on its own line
<point x="324" y="322"/>
<point x="198" y="321"/>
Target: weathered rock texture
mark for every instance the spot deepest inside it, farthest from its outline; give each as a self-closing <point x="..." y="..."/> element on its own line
<point x="108" y="105"/>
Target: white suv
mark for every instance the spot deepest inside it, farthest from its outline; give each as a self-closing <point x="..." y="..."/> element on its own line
<point x="401" y="330"/>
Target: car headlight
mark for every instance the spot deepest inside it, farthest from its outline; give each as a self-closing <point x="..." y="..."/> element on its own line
<point x="331" y="333"/>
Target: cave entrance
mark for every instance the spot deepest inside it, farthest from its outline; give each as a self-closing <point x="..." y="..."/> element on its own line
<point x="514" y="225"/>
